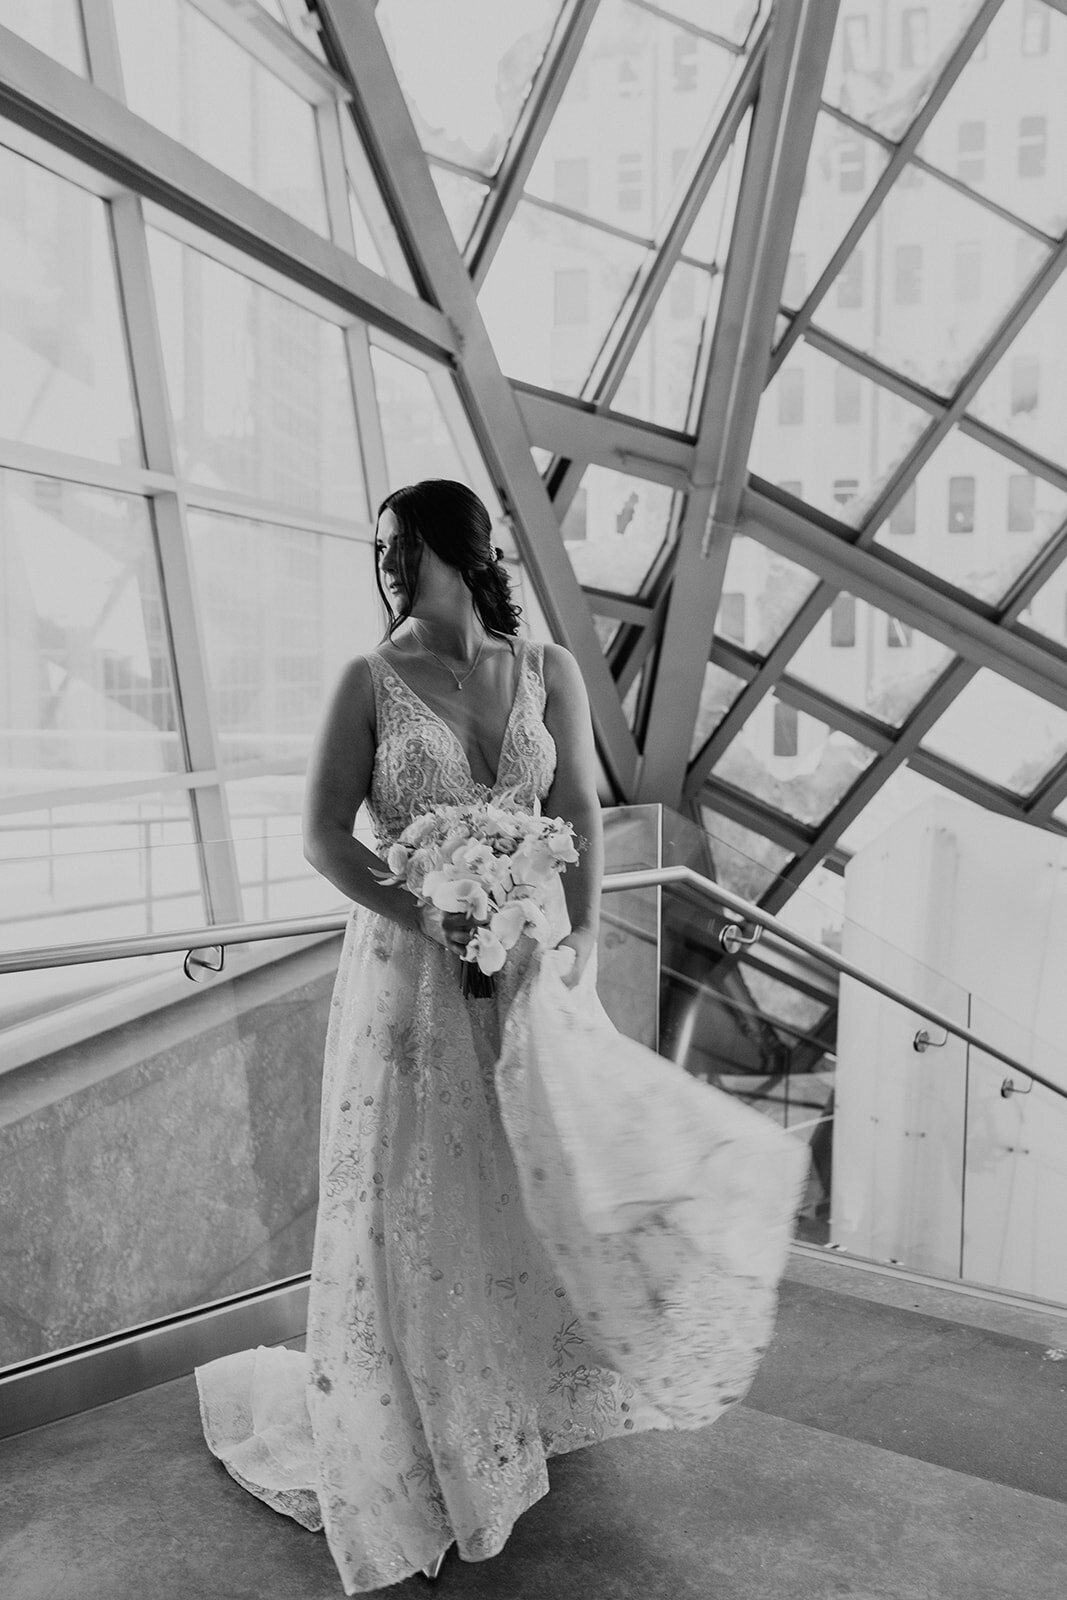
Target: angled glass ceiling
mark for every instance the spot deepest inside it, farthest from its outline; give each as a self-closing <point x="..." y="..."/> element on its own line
<point x="596" y="166"/>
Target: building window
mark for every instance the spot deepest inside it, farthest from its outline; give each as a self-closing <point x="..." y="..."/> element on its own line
<point x="791" y="396"/>
<point x="571" y="302"/>
<point x="570" y="183"/>
<point x="796" y="279"/>
<point x="1025" y="383"/>
<point x="961" y="505"/>
<point x="731" y="623"/>
<point x="1033" y="141"/>
<point x="843" y="622"/>
<point x="968" y="269"/>
<point x="785" y="729"/>
<point x="914" y="36"/>
<point x="1021" y="488"/>
<point x="902" y="516"/>
<point x="1035" y="28"/>
<point x="908" y="274"/>
<point x="850" y="283"/>
<point x="845" y="491"/>
<point x="631" y="181"/>
<point x="685" y="62"/>
<point x="846" y="395"/>
<point x="970" y="152"/>
<point x="792" y="486"/>
<point x="897" y="634"/>
<point x="857" y="44"/>
<point x="852" y="165"/>
<point x="628" y="81"/>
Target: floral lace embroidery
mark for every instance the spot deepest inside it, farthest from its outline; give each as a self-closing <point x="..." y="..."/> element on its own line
<point x="419" y="762"/>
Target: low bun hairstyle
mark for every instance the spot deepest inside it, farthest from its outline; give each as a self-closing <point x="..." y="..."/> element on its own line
<point x="453" y="522"/>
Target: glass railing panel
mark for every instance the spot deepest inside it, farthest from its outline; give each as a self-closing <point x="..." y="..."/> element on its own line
<point x="1015" y="1139"/>
<point x="165" y="1158"/>
<point x="628" y="964"/>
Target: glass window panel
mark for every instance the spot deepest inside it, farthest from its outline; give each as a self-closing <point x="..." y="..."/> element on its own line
<point x="1024" y="395"/>
<point x="109" y="868"/>
<point x="195" y="82"/>
<point x="774" y="589"/>
<point x="607" y="629"/>
<point x="1012" y="93"/>
<point x="919" y="324"/>
<point x="283" y="609"/>
<point x="882" y="73"/>
<point x="709" y="238"/>
<point x="66" y="382"/>
<point x="821" y="452"/>
<point x="842" y="169"/>
<point x="462" y="199"/>
<point x="1001" y="732"/>
<point x="466" y="70"/>
<point x="743" y="861"/>
<point x="539" y="244"/>
<point x="275" y="879"/>
<point x="966" y="500"/>
<point x="259" y="387"/>
<point x="1047" y="611"/>
<point x="86" y="687"/>
<point x="660" y="383"/>
<point x="804" y="775"/>
<point x="631" y="139"/>
<point x="902" y="791"/>
<point x="363" y="235"/>
<point x="874" y="676"/>
<point x="418" y="442"/>
<point x="53" y="26"/>
<point x="719" y="691"/>
<point x="628" y="521"/>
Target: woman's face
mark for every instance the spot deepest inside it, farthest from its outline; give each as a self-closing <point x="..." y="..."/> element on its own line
<point x="387" y="554"/>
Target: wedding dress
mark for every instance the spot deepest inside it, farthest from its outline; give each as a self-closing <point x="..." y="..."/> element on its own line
<point x="519" y="1250"/>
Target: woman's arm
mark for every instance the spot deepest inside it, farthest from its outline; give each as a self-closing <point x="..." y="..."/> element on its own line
<point x="338" y="779"/>
<point x="573" y="796"/>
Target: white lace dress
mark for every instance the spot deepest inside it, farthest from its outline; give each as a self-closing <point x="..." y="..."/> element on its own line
<point x="445" y="1358"/>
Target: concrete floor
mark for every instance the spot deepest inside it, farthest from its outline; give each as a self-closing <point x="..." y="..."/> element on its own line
<point x="901" y="1442"/>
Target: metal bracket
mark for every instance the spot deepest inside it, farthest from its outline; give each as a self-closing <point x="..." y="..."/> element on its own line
<point x="198" y="963"/>
<point x="1007" y="1088"/>
<point x="923" y="1040"/>
<point x="733" y="938"/>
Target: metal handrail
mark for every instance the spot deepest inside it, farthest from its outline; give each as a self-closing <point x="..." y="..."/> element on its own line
<point x="700" y="889"/>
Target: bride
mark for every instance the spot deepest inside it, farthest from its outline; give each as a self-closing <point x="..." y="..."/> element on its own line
<point x="446" y="1357"/>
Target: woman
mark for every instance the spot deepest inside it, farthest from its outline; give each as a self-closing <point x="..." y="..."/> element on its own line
<point x="444" y="1360"/>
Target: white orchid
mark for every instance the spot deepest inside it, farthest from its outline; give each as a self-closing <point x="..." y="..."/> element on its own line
<point x="494" y="862"/>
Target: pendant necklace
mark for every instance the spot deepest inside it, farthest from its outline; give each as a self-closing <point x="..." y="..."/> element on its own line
<point x="459" y="681"/>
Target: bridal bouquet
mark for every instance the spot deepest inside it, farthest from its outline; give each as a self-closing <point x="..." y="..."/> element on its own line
<point x="495" y="861"/>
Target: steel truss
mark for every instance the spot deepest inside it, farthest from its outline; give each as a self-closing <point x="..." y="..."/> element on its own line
<point x="428" y="306"/>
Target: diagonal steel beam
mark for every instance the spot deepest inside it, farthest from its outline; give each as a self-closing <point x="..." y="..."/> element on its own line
<point x="904" y="746"/>
<point x="892" y="491"/>
<point x="564" y="47"/>
<point x="572" y="428"/>
<point x="355" y="45"/>
<point x="775" y="162"/>
<point x="954" y="65"/>
<point x="669" y="240"/>
<point x="39" y="94"/>
<point x="665" y="251"/>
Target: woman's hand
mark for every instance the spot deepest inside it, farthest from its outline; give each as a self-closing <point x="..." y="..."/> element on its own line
<point x="452" y="929"/>
<point x="583" y="942"/>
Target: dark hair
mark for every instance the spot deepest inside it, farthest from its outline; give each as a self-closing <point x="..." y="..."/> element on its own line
<point x="452" y="520"/>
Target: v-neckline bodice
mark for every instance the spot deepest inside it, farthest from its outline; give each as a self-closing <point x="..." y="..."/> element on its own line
<point x="450" y="730"/>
